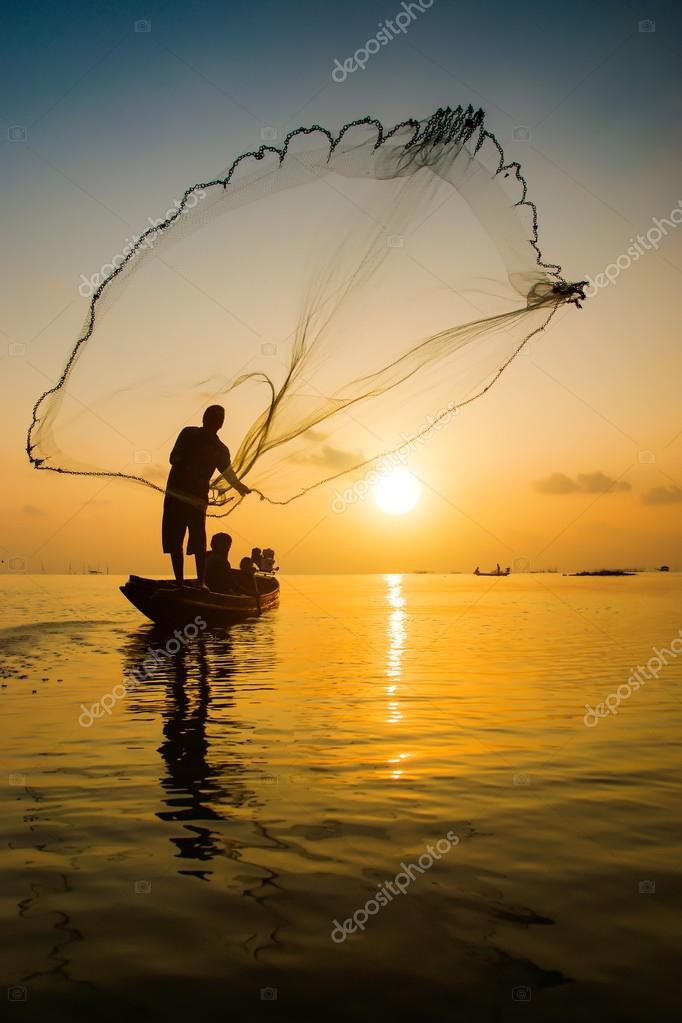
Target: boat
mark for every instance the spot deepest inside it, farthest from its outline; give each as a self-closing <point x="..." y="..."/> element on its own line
<point x="497" y="572"/>
<point x="165" y="603"/>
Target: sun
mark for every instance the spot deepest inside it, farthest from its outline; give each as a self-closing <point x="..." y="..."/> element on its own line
<point x="397" y="493"/>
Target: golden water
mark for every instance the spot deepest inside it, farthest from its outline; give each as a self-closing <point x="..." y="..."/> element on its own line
<point x="190" y="850"/>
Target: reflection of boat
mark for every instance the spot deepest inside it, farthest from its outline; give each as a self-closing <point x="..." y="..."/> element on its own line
<point x="166" y="604"/>
<point x="206" y="778"/>
<point x="497" y="572"/>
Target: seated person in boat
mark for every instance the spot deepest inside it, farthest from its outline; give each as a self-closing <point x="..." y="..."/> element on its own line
<point x="219" y="574"/>
<point x="256" y="557"/>
<point x="267" y="563"/>
<point x="247" y="575"/>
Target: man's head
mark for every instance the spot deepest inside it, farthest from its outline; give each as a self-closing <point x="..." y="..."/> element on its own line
<point x="255" y="552"/>
<point x="221" y="543"/>
<point x="214" y="417"/>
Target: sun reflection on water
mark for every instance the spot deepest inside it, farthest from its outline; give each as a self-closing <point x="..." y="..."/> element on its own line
<point x="397" y="633"/>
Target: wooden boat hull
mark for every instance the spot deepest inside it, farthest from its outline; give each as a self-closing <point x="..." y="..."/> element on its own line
<point x="497" y="575"/>
<point x="165" y="604"/>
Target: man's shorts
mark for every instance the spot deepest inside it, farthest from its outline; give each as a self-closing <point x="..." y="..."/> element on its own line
<point x="180" y="516"/>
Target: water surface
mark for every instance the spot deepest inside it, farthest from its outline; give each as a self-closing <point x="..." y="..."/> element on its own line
<point x="190" y="850"/>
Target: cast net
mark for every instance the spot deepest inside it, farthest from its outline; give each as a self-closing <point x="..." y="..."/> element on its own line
<point x="340" y="295"/>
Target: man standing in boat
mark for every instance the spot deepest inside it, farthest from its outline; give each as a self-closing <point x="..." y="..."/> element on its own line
<point x="197" y="454"/>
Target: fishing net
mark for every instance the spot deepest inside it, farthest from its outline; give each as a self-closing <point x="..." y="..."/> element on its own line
<point x="340" y="295"/>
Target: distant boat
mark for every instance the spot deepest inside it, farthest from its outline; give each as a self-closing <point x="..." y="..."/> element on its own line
<point x="664" y="568"/>
<point x="166" y="604"/>
<point x="497" y="572"/>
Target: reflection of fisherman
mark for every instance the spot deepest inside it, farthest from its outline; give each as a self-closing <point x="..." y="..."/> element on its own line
<point x="197" y="454"/>
<point x="203" y="774"/>
<point x="193" y="788"/>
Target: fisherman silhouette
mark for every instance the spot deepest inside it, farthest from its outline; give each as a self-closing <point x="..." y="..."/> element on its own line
<point x="197" y="454"/>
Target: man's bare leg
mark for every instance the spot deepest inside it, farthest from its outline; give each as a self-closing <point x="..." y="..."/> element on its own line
<point x="178" y="561"/>
<point x="200" y="558"/>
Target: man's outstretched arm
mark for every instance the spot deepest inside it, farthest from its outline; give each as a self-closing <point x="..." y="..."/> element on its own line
<point x="230" y="476"/>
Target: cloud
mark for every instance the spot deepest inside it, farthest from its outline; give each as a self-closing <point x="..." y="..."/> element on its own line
<point x="557" y="483"/>
<point x="600" y="483"/>
<point x="584" y="483"/>
<point x="330" y="457"/>
<point x="32" y="511"/>
<point x="663" y="495"/>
